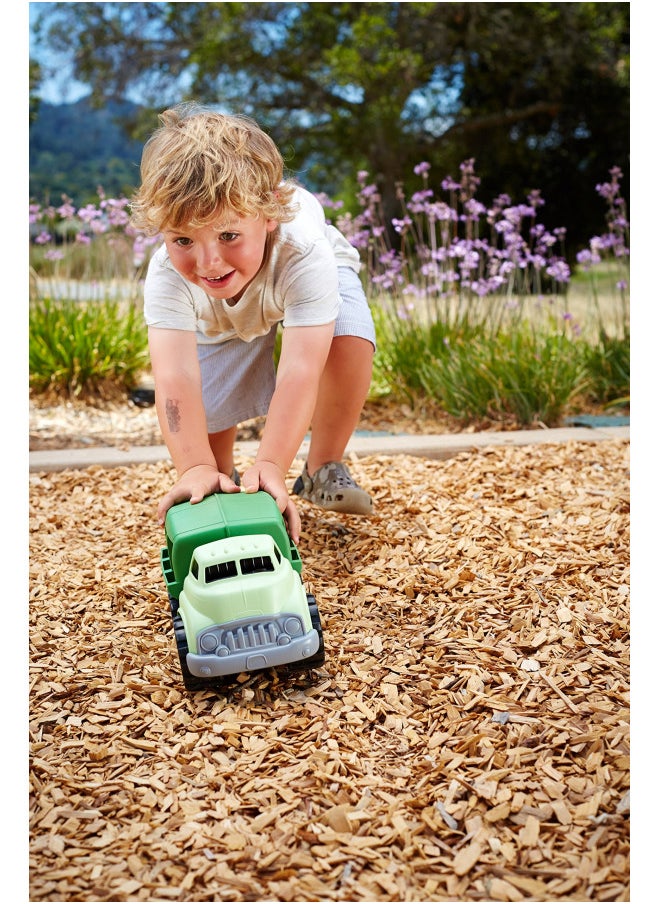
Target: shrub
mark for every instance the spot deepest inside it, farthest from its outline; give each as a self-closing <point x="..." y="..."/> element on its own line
<point x="91" y="348"/>
<point x="525" y="378"/>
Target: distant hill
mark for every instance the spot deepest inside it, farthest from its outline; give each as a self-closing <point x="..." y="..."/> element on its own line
<point x="75" y="148"/>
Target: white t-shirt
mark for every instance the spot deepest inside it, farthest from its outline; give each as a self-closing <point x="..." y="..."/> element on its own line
<point x="297" y="284"/>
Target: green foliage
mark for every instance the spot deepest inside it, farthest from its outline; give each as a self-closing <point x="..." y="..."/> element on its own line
<point x="77" y="347"/>
<point x="607" y="364"/>
<point x="74" y="148"/>
<point x="520" y="376"/>
<point x="402" y="344"/>
<point x="537" y="93"/>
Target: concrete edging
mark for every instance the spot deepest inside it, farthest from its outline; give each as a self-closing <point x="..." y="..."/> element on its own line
<point x="436" y="447"/>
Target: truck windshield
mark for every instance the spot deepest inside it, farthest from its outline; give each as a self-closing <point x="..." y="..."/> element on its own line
<point x="256" y="564"/>
<point x="220" y="570"/>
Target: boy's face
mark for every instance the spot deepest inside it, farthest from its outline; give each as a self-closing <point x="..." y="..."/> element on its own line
<point x="223" y="257"/>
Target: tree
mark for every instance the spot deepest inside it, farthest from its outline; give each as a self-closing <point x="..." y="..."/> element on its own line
<point x="75" y="149"/>
<point x="537" y="93"/>
<point x="35" y="76"/>
<point x="548" y="99"/>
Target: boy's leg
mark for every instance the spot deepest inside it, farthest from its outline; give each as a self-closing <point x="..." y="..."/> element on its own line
<point x="222" y="446"/>
<point x="343" y="389"/>
<point x="344" y="385"/>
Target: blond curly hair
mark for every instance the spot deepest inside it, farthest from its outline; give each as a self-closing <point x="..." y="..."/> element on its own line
<point x="199" y="163"/>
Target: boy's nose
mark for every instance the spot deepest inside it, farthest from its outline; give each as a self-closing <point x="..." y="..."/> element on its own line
<point x="210" y="255"/>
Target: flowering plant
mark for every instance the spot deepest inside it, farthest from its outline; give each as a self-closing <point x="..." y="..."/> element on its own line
<point x="470" y="301"/>
<point x="452" y="252"/>
<point x="90" y="252"/>
<point x="609" y="252"/>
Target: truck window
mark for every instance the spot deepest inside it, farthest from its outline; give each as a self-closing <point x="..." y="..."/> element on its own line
<point x="219" y="571"/>
<point x="256" y="564"/>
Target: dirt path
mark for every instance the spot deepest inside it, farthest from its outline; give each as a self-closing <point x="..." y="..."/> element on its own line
<point x="467" y="739"/>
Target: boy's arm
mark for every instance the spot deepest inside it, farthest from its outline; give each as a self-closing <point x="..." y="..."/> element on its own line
<point x="181" y="416"/>
<point x="302" y="359"/>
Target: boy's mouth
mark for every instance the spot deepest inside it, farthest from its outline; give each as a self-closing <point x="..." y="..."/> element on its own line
<point x="218" y="282"/>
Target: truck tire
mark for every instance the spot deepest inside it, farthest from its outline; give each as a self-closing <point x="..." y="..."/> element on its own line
<point x="190" y="681"/>
<point x="319" y="657"/>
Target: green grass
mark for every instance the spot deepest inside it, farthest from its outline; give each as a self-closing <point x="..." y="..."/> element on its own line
<point x="533" y="364"/>
<point x="524" y="369"/>
<point x="85" y="347"/>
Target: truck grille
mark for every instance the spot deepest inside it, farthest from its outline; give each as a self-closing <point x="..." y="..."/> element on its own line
<point x="223" y="641"/>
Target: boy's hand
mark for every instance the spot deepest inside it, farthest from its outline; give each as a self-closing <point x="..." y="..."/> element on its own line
<point x="195" y="484"/>
<point x="266" y="475"/>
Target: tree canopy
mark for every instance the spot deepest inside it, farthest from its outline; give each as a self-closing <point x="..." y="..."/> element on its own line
<point x="536" y="93"/>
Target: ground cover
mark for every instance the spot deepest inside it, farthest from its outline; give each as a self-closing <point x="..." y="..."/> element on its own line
<point x="467" y="738"/>
<point x="55" y="423"/>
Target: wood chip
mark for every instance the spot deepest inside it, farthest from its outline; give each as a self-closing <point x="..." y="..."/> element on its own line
<point x="424" y="761"/>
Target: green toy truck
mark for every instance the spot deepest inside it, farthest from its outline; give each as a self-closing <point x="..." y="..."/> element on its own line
<point x="237" y="599"/>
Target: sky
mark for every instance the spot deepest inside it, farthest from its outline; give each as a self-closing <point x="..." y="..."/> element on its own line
<point x="61" y="88"/>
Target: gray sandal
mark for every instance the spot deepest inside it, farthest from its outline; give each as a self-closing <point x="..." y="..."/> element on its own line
<point x="333" y="488"/>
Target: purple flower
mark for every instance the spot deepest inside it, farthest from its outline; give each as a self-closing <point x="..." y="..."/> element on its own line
<point x="536" y="260"/>
<point x="449" y="184"/>
<point x="360" y="239"/>
<point x="66" y="210"/>
<point x="89" y="213"/>
<point x="441" y="211"/>
<point x="584" y="257"/>
<point x="400" y="226"/>
<point x="559" y="270"/>
<point x="369" y="192"/>
<point x="327" y="202"/>
<point x="474" y="208"/>
<point x="421" y="196"/>
<point x="535" y="199"/>
<point x="608" y="190"/>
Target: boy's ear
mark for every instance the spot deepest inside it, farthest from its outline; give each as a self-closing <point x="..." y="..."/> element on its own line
<point x="271" y="224"/>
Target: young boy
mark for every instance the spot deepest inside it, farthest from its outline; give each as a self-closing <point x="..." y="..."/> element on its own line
<point x="245" y="250"/>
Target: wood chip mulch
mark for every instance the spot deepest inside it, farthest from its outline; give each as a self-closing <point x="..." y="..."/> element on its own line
<point x="57" y="423"/>
<point x="466" y="740"/>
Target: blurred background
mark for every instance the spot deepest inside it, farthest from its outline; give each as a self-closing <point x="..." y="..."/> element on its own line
<point x="537" y="94"/>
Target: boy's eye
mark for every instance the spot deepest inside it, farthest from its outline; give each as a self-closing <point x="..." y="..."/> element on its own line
<point x="183" y="241"/>
<point x="228" y="236"/>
